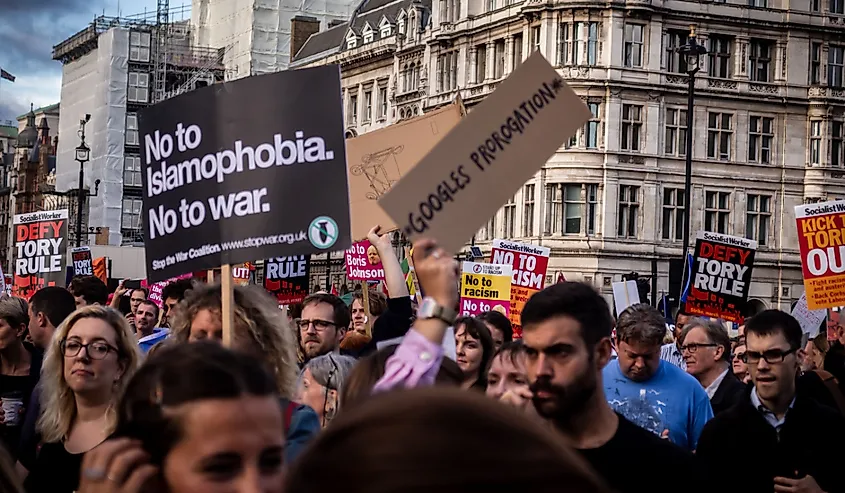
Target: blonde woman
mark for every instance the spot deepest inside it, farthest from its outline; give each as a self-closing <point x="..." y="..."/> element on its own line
<point x="261" y="330"/>
<point x="87" y="365"/>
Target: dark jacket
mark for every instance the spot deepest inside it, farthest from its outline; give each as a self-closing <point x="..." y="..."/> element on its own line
<point x="803" y="445"/>
<point x="301" y="427"/>
<point x="730" y="392"/>
<point x="834" y="363"/>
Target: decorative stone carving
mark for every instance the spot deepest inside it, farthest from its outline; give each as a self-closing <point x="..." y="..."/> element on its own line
<point x="677" y="79"/>
<point x="763" y="88"/>
<point x="722" y="84"/>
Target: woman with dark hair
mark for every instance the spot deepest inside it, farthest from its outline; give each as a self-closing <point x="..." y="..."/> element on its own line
<point x="474" y="346"/>
<point x="438" y="439"/>
<point x="196" y="418"/>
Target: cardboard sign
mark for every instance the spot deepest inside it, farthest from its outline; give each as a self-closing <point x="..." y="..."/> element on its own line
<point x="83" y="262"/>
<point x="485" y="287"/>
<point x="253" y="168"/>
<point x="241" y="274"/>
<point x="529" y="264"/>
<point x="721" y="276"/>
<point x="381" y="158"/>
<point x="625" y="294"/>
<point x="810" y="320"/>
<point x="822" y="246"/>
<point x="475" y="169"/>
<point x="40" y="251"/>
<point x="287" y="278"/>
<point x="363" y="262"/>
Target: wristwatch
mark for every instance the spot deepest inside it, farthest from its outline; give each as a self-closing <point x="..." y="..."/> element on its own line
<point x="429" y="308"/>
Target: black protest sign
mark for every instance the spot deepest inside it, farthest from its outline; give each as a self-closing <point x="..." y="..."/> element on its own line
<point x="40" y="251"/>
<point x="83" y="262"/>
<point x="287" y="278"/>
<point x="721" y="276"/>
<point x="482" y="162"/>
<point x="244" y="170"/>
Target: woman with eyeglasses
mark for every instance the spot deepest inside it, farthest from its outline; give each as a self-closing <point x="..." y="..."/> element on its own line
<point x="88" y="363"/>
<point x="321" y="383"/>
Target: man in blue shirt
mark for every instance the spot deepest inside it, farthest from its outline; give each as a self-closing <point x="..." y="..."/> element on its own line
<point x="650" y="392"/>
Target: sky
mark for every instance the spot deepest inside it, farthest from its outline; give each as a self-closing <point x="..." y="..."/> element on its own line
<point x="28" y="31"/>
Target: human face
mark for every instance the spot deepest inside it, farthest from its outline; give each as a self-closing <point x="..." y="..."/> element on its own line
<point x="638" y="361"/>
<point x="10" y="336"/>
<point x="507" y="374"/>
<point x="167" y="310"/>
<point x="314" y="395"/>
<point x="84" y="374"/>
<point x="562" y="371"/>
<point x="359" y="317"/>
<point x="739" y="367"/>
<point x="469" y="351"/>
<point x="680" y="321"/>
<point x="498" y="336"/>
<point x="227" y="445"/>
<point x="208" y="325"/>
<point x="136" y="298"/>
<point x="813" y="358"/>
<point x="80" y="301"/>
<point x="39" y="329"/>
<point x="775" y="382"/>
<point x="317" y="330"/>
<point x="145" y="318"/>
<point x="699" y="352"/>
<point x="373" y="256"/>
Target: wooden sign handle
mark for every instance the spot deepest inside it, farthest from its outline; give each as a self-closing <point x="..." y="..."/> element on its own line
<point x="227" y="304"/>
<point x="366" y="297"/>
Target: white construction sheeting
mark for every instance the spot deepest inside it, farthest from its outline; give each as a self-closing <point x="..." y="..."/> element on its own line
<point x="258" y="31"/>
<point x="96" y="84"/>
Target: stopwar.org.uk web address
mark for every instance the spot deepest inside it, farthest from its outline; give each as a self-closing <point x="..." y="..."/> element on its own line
<point x="214" y="248"/>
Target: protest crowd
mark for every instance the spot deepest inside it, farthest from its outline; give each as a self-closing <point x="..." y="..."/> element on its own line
<point x="429" y="375"/>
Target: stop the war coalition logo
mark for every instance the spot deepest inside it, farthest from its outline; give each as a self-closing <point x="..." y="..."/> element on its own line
<point x="721" y="276"/>
<point x="253" y="169"/>
<point x="40" y="251"/>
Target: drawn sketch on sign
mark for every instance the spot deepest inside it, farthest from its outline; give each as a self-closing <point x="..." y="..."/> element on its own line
<point x="373" y="167"/>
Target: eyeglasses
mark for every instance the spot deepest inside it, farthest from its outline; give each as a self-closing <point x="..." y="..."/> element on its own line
<point x="739" y="356"/>
<point x="772" y="356"/>
<point x="319" y="325"/>
<point x="693" y="347"/>
<point x="95" y="350"/>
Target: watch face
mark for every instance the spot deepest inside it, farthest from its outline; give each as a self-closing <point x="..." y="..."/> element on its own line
<point x="426" y="309"/>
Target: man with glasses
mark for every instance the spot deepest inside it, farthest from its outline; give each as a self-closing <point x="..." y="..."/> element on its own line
<point x="706" y="348"/>
<point x="791" y="443"/>
<point x="322" y="326"/>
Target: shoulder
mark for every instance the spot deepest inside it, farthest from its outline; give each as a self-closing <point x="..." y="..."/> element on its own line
<point x="681" y="377"/>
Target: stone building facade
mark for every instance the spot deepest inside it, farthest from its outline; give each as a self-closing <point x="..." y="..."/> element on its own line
<point x="769" y="119"/>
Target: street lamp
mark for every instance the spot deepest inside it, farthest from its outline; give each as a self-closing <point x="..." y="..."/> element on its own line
<point x="692" y="53"/>
<point x="83" y="155"/>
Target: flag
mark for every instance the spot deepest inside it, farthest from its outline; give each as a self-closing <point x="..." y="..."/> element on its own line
<point x="688" y="269"/>
<point x="6" y="75"/>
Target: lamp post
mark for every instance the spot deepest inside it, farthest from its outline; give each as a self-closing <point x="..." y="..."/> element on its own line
<point x="692" y="53"/>
<point x="83" y="155"/>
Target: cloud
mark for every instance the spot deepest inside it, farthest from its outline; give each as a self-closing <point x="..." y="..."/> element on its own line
<point x="29" y="29"/>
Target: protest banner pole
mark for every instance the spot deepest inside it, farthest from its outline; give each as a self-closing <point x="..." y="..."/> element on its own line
<point x="366" y="297"/>
<point x="227" y="301"/>
<point x="210" y="275"/>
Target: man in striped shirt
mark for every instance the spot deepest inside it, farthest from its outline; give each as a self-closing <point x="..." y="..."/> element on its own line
<point x="671" y="353"/>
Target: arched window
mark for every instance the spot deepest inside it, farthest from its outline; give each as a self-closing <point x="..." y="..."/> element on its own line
<point x="406" y="78"/>
<point x="402" y="114"/>
<point x="416" y="75"/>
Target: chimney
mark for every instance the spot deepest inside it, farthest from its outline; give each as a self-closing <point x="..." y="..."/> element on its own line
<point x="301" y="28"/>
